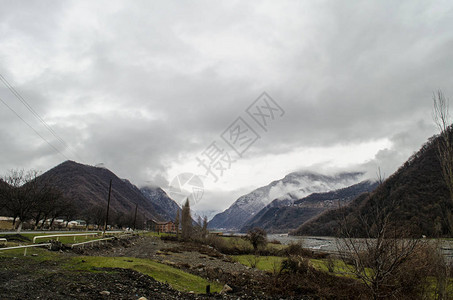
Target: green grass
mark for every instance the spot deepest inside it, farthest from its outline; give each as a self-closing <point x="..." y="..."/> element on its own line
<point x="63" y="239"/>
<point x="42" y="254"/>
<point x="265" y="263"/>
<point x="276" y="246"/>
<point x="154" y="233"/>
<point x="339" y="267"/>
<point x="237" y="242"/>
<point x="243" y="244"/>
<point x="178" y="279"/>
<point x="271" y="263"/>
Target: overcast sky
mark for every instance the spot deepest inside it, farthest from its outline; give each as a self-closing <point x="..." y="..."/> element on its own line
<point x="145" y="87"/>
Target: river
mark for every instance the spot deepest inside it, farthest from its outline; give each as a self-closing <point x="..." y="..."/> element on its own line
<point x="326" y="244"/>
<point x="330" y="244"/>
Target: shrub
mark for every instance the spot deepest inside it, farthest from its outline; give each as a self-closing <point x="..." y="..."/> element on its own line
<point x="330" y="264"/>
<point x="297" y="249"/>
<point x="297" y="278"/>
<point x="253" y="260"/>
<point x="258" y="237"/>
<point x="295" y="265"/>
<point x="275" y="242"/>
<point x="172" y="238"/>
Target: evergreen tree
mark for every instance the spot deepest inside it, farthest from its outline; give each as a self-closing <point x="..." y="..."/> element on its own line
<point x="177" y="223"/>
<point x="186" y="221"/>
<point x="204" y="230"/>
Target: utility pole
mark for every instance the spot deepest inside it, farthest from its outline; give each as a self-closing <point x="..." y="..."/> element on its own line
<point x="135" y="216"/>
<point x="108" y="206"/>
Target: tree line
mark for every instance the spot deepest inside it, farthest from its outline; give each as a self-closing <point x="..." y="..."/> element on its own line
<point x="29" y="200"/>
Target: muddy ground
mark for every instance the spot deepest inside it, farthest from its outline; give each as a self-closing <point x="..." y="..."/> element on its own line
<point x="49" y="280"/>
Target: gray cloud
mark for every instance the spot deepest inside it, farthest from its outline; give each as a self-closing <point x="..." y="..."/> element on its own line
<point x="139" y="86"/>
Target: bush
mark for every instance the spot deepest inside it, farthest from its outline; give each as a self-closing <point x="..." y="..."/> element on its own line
<point x="275" y="242"/>
<point x="258" y="238"/>
<point x="253" y="260"/>
<point x="295" y="265"/>
<point x="330" y="264"/>
<point x="216" y="242"/>
<point x="297" y="249"/>
<point x="297" y="278"/>
<point x="172" y="238"/>
<point x="230" y="246"/>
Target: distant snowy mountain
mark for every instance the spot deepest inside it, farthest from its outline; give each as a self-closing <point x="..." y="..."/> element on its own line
<point x="293" y="186"/>
<point x="282" y="216"/>
<point x="202" y="213"/>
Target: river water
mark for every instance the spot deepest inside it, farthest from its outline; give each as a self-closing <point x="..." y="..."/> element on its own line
<point x="325" y="244"/>
<point x="330" y="244"/>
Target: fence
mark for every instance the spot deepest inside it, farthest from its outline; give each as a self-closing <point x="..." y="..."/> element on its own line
<point x="93" y="241"/>
<point x="62" y="235"/>
<point x="25" y="247"/>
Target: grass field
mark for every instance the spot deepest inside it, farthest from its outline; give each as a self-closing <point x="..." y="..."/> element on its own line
<point x="178" y="279"/>
<point x="273" y="263"/>
<point x="28" y="237"/>
<point x="265" y="263"/>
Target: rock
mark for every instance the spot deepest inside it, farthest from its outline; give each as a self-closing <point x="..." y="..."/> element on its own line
<point x="104" y="293"/>
<point x="142" y="298"/>
<point x="56" y="245"/>
<point x="226" y="289"/>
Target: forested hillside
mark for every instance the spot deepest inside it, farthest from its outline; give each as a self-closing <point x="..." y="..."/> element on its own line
<point x="416" y="195"/>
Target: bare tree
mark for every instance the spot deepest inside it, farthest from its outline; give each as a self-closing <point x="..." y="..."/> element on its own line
<point x="381" y="258"/>
<point x="442" y="119"/>
<point x="258" y="237"/>
<point x="63" y="208"/>
<point x="94" y="215"/>
<point x="22" y="195"/>
<point x="69" y="212"/>
<point x="49" y="205"/>
<point x="3" y="192"/>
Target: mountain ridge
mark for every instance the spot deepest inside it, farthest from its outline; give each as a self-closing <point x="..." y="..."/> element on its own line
<point x="294" y="185"/>
<point x="87" y="187"/>
<point x="281" y="216"/>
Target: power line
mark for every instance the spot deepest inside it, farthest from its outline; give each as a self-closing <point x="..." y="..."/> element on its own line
<point x="25" y="103"/>
<point x="31" y="127"/>
<point x="37" y="116"/>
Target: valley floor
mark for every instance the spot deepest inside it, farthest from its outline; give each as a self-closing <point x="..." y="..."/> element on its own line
<point x="119" y="271"/>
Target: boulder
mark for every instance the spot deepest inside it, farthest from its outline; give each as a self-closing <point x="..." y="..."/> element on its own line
<point x="226" y="289"/>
